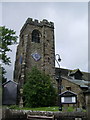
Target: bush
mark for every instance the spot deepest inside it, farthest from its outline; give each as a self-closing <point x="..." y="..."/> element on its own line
<point x="13" y="106"/>
<point x="38" y="90"/>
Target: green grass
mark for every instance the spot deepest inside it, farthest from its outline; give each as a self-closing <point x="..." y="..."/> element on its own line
<point x="70" y="109"/>
<point x="45" y="109"/>
<point x="53" y="109"/>
<point x="35" y="109"/>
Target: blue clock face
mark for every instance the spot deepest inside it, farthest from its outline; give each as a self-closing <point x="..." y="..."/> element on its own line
<point x="36" y="56"/>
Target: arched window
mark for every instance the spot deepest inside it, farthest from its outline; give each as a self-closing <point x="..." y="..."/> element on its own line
<point x="36" y="36"/>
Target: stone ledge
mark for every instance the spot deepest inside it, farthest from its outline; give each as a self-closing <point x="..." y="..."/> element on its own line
<point x="23" y="114"/>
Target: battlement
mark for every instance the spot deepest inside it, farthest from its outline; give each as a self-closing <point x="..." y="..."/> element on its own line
<point x="42" y="23"/>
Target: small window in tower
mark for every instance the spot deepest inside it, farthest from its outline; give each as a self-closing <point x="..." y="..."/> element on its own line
<point x="48" y="41"/>
<point x="48" y="59"/>
<point x="22" y="37"/>
<point x="68" y="87"/>
<point x="36" y="36"/>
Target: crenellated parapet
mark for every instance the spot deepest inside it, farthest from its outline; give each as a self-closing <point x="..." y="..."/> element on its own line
<point x="42" y="23"/>
<point x="36" y="48"/>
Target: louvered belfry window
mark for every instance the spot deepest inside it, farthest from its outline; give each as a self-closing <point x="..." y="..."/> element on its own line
<point x="36" y="36"/>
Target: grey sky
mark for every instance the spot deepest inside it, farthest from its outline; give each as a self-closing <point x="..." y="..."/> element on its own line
<point x="71" y="28"/>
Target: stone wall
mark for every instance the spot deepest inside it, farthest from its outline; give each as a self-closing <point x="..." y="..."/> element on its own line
<point x="76" y="89"/>
<point x="22" y="115"/>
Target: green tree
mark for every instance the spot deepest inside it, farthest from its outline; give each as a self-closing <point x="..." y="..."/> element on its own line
<point x="38" y="90"/>
<point x="7" y="38"/>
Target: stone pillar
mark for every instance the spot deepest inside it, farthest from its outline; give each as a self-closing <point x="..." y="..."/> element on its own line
<point x="87" y="95"/>
<point x="21" y="84"/>
<point x="21" y="98"/>
<point x="22" y="79"/>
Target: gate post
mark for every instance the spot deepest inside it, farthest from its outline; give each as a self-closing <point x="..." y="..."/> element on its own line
<point x="88" y="103"/>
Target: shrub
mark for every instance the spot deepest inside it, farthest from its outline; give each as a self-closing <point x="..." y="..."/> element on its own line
<point x="13" y="106"/>
<point x="38" y="90"/>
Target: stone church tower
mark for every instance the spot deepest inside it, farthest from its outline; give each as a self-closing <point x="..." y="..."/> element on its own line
<point x="36" y="48"/>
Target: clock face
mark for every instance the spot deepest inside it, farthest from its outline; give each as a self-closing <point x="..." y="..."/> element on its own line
<point x="36" y="56"/>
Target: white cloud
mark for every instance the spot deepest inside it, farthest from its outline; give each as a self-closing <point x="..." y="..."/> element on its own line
<point x="1" y="13"/>
<point x="71" y="27"/>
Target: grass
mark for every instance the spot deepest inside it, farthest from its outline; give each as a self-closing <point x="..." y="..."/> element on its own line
<point x="36" y="109"/>
<point x="52" y="109"/>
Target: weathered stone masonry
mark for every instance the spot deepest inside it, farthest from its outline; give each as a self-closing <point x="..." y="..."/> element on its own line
<point x="36" y="38"/>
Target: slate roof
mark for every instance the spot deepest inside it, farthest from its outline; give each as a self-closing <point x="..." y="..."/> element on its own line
<point x="81" y="83"/>
<point x="72" y="72"/>
<point x="68" y="93"/>
<point x="9" y="82"/>
<point x="65" y="72"/>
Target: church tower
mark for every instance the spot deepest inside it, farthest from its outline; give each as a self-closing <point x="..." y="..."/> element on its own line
<point x="36" y="48"/>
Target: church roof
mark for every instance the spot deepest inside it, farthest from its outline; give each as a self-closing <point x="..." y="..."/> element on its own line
<point x="75" y="71"/>
<point x="81" y="83"/>
<point x="65" y="72"/>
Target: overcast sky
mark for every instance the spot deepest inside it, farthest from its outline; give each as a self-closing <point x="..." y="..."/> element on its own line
<point x="71" y="28"/>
